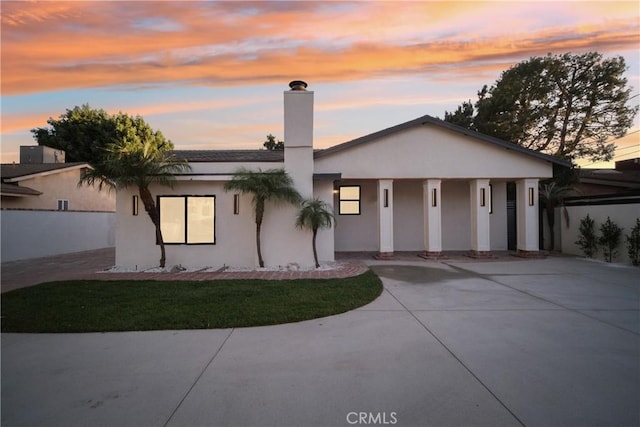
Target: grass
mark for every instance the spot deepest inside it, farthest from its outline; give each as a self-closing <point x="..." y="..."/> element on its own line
<point x="131" y="305"/>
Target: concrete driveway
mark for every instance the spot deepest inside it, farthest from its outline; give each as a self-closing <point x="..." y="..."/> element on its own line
<point x="552" y="342"/>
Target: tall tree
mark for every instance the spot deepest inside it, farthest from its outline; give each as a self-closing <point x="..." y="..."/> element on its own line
<point x="314" y="215"/>
<point x="82" y="132"/>
<point x="270" y="185"/>
<point x="133" y="155"/>
<point x="271" y="144"/>
<point x="567" y="105"/>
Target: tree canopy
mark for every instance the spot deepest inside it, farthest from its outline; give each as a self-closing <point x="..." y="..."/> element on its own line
<point x="82" y="132"/>
<point x="124" y="152"/>
<point x="569" y="106"/>
<point x="272" y="145"/>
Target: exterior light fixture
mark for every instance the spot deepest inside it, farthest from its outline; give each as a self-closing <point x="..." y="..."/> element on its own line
<point x="236" y="204"/>
<point x="386" y="198"/>
<point x="531" y="196"/>
<point x="135" y="205"/>
<point x="483" y="197"/>
<point x="434" y="197"/>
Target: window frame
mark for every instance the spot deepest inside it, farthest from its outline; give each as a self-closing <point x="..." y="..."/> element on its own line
<point x="359" y="199"/>
<point x="63" y="205"/>
<point x="186" y="217"/>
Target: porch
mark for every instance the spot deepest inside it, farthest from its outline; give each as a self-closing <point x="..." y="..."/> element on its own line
<point x="436" y="216"/>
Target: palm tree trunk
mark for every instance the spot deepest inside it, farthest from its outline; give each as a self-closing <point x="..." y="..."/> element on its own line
<point x="259" y="216"/>
<point x="150" y="208"/>
<point x="258" y="227"/>
<point x="315" y="252"/>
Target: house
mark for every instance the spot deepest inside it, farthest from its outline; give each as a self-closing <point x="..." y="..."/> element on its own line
<point x="45" y="212"/>
<point x="623" y="179"/>
<point x="43" y="181"/>
<point x="424" y="185"/>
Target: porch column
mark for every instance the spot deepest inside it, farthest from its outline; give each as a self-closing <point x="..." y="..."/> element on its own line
<point x="480" y="225"/>
<point x="432" y="218"/>
<point x="385" y="218"/>
<point x="527" y="216"/>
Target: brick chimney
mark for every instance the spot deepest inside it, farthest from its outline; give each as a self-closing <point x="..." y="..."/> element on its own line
<point x="298" y="136"/>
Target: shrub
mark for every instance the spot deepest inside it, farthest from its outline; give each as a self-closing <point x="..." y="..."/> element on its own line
<point x="633" y="243"/>
<point x="610" y="239"/>
<point x="588" y="240"/>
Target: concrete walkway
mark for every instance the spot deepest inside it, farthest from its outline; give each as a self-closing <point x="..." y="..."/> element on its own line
<point x="552" y="342"/>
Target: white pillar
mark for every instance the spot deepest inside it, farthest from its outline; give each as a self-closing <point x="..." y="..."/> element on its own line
<point x="527" y="216"/>
<point x="480" y="225"/>
<point x="385" y="218"/>
<point x="432" y="218"/>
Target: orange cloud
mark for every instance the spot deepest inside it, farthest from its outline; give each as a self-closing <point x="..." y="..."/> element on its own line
<point x="57" y="45"/>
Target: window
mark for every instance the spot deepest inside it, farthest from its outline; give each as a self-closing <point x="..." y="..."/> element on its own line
<point x="187" y="219"/>
<point x="349" y="196"/>
<point x="63" y="205"/>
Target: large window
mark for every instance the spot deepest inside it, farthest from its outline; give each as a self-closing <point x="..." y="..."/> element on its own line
<point x="187" y="219"/>
<point x="349" y="200"/>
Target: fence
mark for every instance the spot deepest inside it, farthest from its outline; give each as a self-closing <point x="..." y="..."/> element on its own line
<point x="33" y="233"/>
<point x="623" y="210"/>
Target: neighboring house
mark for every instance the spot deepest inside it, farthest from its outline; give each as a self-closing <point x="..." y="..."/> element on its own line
<point x="52" y="186"/>
<point x="45" y="211"/>
<point x="424" y="185"/>
<point x="623" y="179"/>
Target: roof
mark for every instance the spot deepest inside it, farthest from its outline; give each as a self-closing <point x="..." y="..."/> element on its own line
<point x="230" y="155"/>
<point x="16" y="190"/>
<point x="621" y="178"/>
<point x="424" y="120"/>
<point x="9" y="171"/>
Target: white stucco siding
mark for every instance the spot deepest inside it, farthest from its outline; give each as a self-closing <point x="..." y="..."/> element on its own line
<point x="358" y="232"/>
<point x="428" y="151"/>
<point x="456" y="216"/>
<point x="234" y="234"/>
<point x="408" y="221"/>
<point x="498" y="218"/>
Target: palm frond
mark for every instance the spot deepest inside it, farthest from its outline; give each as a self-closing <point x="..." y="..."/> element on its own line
<point x="314" y="215"/>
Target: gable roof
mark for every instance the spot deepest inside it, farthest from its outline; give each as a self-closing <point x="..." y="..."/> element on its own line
<point x="230" y="155"/>
<point x="11" y="172"/>
<point x="424" y="120"/>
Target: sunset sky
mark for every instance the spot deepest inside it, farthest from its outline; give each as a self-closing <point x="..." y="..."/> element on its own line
<point x="210" y="75"/>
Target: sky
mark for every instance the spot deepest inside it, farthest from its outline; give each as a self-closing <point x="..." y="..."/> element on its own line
<point x="211" y="75"/>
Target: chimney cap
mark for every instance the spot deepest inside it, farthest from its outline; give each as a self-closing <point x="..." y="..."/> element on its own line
<point x="298" y="85"/>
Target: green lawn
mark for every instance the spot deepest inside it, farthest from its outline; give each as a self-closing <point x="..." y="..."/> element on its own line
<point x="131" y="305"/>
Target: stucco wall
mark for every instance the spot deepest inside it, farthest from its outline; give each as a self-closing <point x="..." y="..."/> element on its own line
<point x="431" y="152"/>
<point x="62" y="185"/>
<point x="359" y="232"/>
<point x="499" y="230"/>
<point x="456" y="216"/>
<point x="624" y="215"/>
<point x="33" y="234"/>
<point x="235" y="235"/>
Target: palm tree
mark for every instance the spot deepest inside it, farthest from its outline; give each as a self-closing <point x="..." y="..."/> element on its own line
<point x="138" y="159"/>
<point x="314" y="215"/>
<point x="553" y="195"/>
<point x="273" y="184"/>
